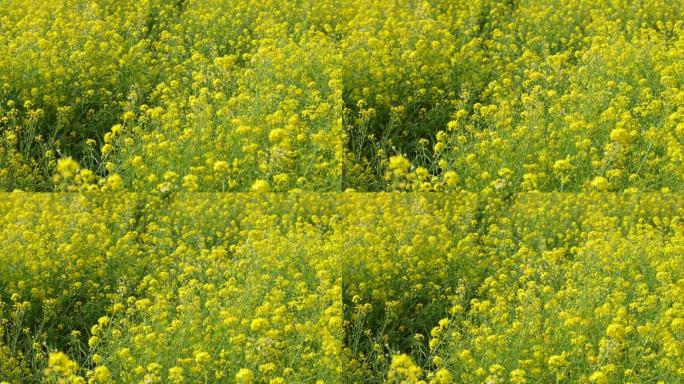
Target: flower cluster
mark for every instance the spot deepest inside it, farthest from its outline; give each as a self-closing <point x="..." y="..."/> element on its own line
<point x="166" y="131"/>
<point x="189" y="288"/>
<point x="203" y="96"/>
<point x="483" y="95"/>
<point x="540" y="288"/>
<point x="590" y="293"/>
<point x="69" y="69"/>
<point x="515" y="95"/>
<point x="353" y="288"/>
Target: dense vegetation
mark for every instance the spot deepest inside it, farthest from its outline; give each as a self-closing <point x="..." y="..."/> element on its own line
<point x="196" y="288"/>
<point x="431" y="95"/>
<point x="342" y="288"/>
<point x="210" y="164"/>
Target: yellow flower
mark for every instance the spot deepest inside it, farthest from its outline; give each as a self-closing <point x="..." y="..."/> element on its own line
<point x="244" y="376"/>
<point x="190" y="183"/>
<point x="202" y="357"/>
<point x="600" y="183"/>
<point x="277" y="135"/>
<point x="403" y="369"/>
<point x="128" y="115"/>
<point x="101" y="374"/>
<point x="259" y="324"/>
<point x="399" y="165"/>
<point x="518" y="376"/>
<point x="451" y="178"/>
<point x="221" y="166"/>
<point x="60" y="363"/>
<point x="442" y="376"/>
<point x="678" y="324"/>
<point x="598" y="377"/>
<point x="176" y="375"/>
<point x="114" y="182"/>
<point x="261" y="186"/>
<point x="67" y="167"/>
<point x="616" y="331"/>
<point x="620" y="135"/>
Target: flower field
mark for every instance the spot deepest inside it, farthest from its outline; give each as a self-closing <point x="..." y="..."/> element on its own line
<point x="580" y="288"/>
<point x="430" y="95"/>
<point x="341" y="191"/>
<point x="342" y="288"/>
<point x="130" y="288"/>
